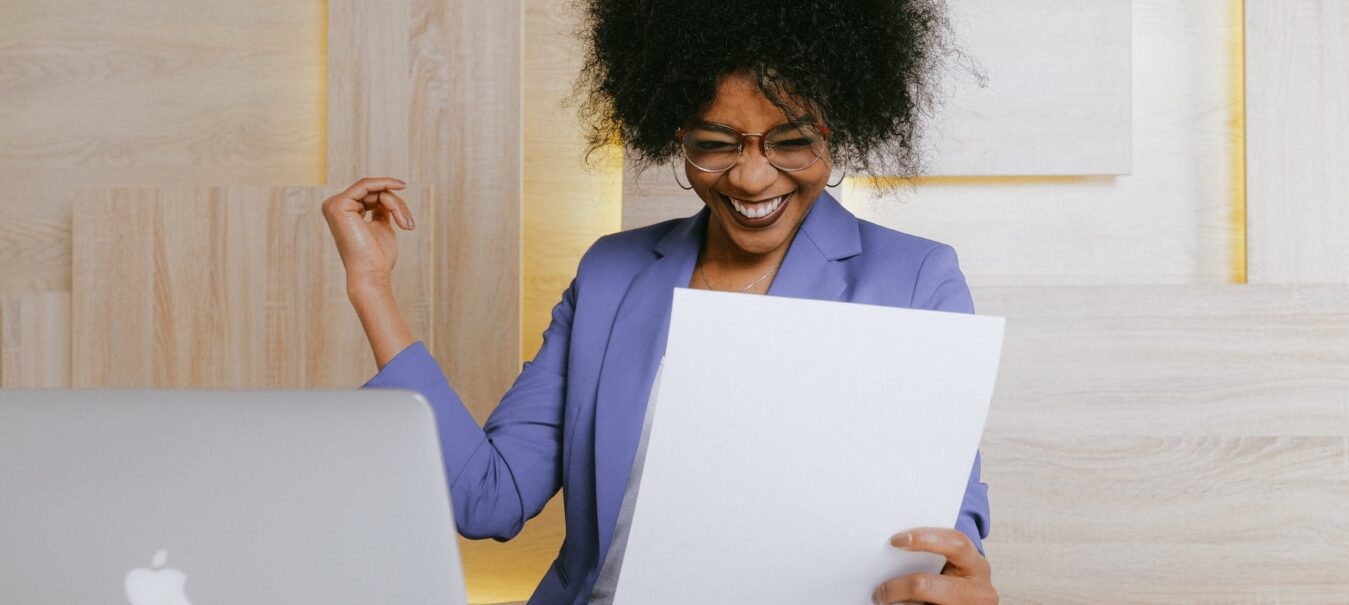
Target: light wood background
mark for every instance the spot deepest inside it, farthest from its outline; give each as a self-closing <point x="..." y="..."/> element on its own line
<point x="1299" y="141"/>
<point x="1160" y="434"/>
<point x="165" y="165"/>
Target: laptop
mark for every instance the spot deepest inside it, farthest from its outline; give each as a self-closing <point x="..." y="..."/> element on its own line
<point x="200" y="497"/>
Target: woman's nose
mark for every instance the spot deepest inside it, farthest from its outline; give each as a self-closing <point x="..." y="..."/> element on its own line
<point x="752" y="172"/>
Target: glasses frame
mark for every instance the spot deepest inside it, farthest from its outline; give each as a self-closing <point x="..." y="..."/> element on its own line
<point x="740" y="147"/>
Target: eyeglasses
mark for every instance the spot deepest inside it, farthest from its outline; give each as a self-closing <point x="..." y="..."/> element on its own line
<point x="791" y="146"/>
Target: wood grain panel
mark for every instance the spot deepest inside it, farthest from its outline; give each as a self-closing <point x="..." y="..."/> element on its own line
<point x="369" y="90"/>
<point x="166" y="93"/>
<point x="224" y="288"/>
<point x="1296" y="54"/>
<point x="1170" y="444"/>
<point x="35" y="340"/>
<point x="466" y="143"/>
<point x="35" y="240"/>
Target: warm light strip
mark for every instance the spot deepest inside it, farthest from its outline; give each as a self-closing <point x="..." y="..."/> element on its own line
<point x="1237" y="125"/>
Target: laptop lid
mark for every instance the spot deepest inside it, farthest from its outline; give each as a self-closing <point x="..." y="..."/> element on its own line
<point x="260" y="497"/>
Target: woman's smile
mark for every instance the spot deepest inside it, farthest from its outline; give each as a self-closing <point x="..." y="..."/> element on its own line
<point x="757" y="214"/>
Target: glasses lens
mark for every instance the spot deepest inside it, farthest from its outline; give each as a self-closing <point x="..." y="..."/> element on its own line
<point x="711" y="148"/>
<point x="794" y="146"/>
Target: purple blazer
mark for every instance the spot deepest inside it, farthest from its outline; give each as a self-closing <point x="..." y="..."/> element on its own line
<point x="573" y="417"/>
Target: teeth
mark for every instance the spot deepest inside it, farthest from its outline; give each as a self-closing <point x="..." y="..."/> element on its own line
<point x="757" y="209"/>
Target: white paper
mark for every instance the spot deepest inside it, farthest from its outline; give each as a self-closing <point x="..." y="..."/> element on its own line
<point x="791" y="438"/>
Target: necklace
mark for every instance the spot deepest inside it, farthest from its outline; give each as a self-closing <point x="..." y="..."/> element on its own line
<point x="703" y="273"/>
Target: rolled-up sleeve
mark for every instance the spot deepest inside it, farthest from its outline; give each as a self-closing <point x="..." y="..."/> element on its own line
<point x="941" y="286"/>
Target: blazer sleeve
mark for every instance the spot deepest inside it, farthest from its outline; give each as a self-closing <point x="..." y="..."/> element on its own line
<point x="503" y="473"/>
<point x="941" y="287"/>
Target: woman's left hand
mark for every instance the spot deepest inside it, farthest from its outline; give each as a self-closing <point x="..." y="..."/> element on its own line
<point x="964" y="580"/>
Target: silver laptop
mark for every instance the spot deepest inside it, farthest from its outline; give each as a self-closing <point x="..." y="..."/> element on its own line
<point x="202" y="497"/>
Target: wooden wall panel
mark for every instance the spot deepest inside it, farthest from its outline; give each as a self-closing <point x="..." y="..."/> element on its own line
<point x="224" y="288"/>
<point x="166" y="93"/>
<point x="465" y="141"/>
<point x="35" y="340"/>
<point x="1296" y="53"/>
<point x="140" y="92"/>
<point x="35" y="239"/>
<point x="369" y="90"/>
<point x="1170" y="444"/>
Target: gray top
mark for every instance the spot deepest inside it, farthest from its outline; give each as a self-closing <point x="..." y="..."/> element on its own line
<point x="603" y="592"/>
<point x="259" y="497"/>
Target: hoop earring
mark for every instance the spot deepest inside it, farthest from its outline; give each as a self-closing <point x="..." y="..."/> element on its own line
<point x="840" y="178"/>
<point x="675" y="171"/>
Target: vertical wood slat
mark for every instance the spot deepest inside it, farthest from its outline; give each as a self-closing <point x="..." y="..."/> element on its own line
<point x="369" y="90"/>
<point x="35" y="339"/>
<point x="223" y="288"/>
<point x="1298" y="189"/>
<point x="466" y="140"/>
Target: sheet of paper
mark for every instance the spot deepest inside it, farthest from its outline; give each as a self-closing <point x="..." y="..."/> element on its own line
<point x="791" y="438"/>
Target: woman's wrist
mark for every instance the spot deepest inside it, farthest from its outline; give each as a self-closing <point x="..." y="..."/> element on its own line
<point x="384" y="326"/>
<point x="366" y="287"/>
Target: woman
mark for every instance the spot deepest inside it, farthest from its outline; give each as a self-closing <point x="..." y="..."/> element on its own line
<point x="761" y="101"/>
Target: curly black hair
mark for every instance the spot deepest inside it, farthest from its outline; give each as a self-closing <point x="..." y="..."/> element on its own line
<point x="868" y="67"/>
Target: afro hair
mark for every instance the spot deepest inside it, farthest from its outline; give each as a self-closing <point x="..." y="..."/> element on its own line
<point x="867" y="68"/>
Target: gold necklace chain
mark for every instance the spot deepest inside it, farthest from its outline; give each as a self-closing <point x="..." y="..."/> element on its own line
<point x="703" y="273"/>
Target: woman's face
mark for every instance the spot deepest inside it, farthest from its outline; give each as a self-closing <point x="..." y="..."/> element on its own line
<point x="753" y="183"/>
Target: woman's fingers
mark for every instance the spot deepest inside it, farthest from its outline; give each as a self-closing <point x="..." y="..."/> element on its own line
<point x="360" y="189"/>
<point x="360" y="197"/>
<point x="918" y="588"/>
<point x="953" y="544"/>
<point x="368" y="249"/>
<point x="399" y="209"/>
<point x="964" y="579"/>
<point x="389" y="201"/>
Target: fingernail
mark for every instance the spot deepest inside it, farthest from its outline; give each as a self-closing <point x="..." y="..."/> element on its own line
<point x="411" y="223"/>
<point x="901" y="540"/>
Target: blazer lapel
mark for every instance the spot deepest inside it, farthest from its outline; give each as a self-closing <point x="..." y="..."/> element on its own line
<point x="636" y="345"/>
<point x="829" y="233"/>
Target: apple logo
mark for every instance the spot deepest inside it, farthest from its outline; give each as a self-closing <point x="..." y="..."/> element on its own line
<point x="156" y="586"/>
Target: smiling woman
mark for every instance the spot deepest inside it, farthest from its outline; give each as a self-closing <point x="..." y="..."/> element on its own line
<point x="846" y="86"/>
<point x="762" y="102"/>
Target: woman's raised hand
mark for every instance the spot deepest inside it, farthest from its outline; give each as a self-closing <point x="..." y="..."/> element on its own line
<point x="368" y="250"/>
<point x="966" y="578"/>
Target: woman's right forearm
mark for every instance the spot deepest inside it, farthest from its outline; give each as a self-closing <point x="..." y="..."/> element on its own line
<point x="383" y="323"/>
